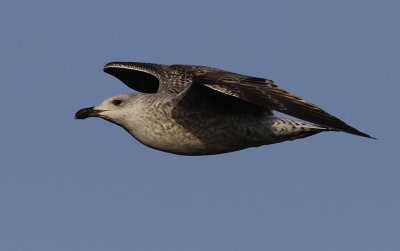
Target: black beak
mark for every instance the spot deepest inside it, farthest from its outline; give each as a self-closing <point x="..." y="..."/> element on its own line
<point x="86" y="112"/>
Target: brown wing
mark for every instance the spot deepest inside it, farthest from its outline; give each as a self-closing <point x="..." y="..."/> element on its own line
<point x="265" y="93"/>
<point x="142" y="77"/>
<point x="150" y="78"/>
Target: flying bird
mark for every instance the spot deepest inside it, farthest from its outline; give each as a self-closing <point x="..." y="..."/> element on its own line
<point x="200" y="110"/>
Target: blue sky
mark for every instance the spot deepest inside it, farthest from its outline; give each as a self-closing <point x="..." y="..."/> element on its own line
<point x="87" y="185"/>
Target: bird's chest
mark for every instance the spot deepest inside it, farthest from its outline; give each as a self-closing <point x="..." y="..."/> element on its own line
<point x="191" y="132"/>
<point x="159" y="128"/>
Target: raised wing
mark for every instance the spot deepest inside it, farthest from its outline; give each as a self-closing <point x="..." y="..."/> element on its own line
<point x="265" y="93"/>
<point x="142" y="77"/>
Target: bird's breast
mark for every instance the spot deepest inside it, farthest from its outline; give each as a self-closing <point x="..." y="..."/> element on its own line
<point x="195" y="132"/>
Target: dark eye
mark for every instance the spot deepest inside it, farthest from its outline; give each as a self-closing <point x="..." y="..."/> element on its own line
<point x="117" y="102"/>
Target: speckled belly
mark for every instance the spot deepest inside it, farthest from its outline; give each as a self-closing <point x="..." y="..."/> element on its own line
<point x="200" y="134"/>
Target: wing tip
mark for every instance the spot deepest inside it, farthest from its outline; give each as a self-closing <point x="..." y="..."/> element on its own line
<point x="365" y="135"/>
<point x="358" y="133"/>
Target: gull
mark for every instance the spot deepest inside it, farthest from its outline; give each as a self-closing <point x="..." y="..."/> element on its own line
<point x="200" y="110"/>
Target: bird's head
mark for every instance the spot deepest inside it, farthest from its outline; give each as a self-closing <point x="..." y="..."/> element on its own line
<point x="116" y="109"/>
